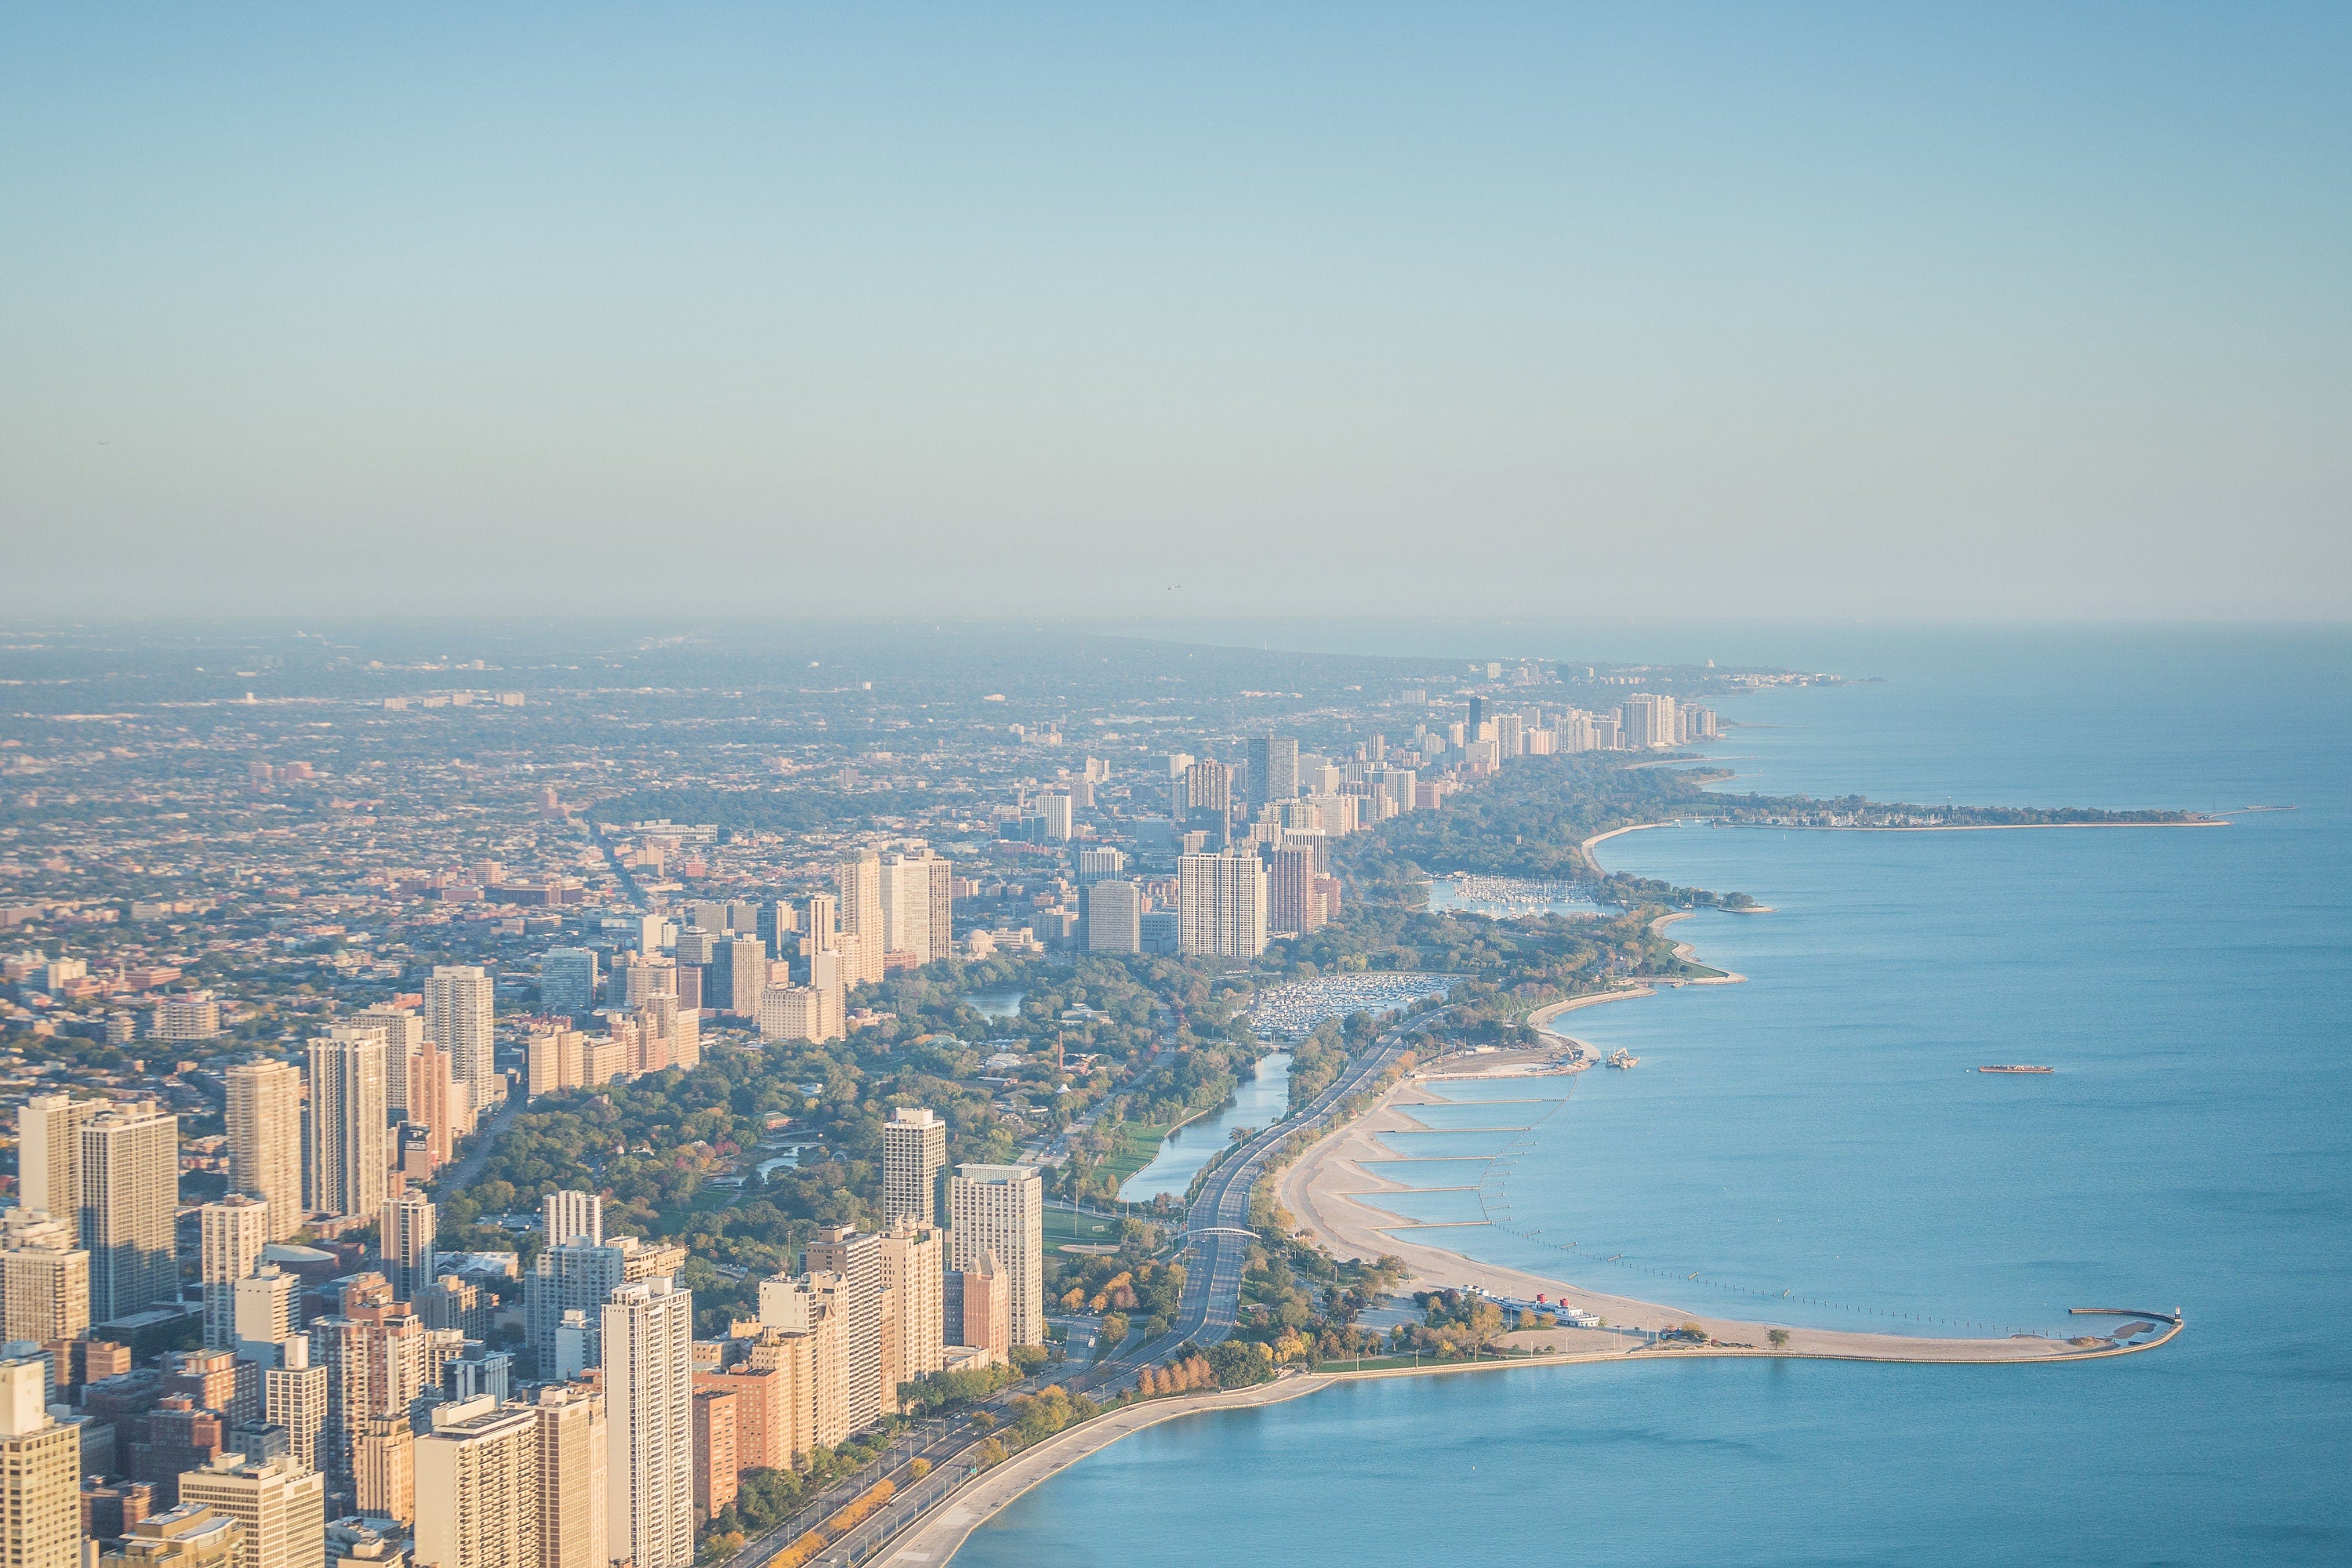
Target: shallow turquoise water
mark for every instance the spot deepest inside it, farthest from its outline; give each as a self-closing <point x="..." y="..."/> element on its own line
<point x="1817" y="1130"/>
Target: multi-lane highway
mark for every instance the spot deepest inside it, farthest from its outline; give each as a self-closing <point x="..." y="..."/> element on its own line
<point x="1217" y="1234"/>
<point x="1217" y="1244"/>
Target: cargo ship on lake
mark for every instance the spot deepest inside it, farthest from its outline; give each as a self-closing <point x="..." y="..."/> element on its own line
<point x="2016" y="1068"/>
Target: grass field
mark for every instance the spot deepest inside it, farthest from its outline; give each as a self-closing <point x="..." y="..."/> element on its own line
<point x="1142" y="1144"/>
<point x="1062" y="1227"/>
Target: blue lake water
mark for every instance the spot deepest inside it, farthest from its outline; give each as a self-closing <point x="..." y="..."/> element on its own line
<point x="1818" y="1130"/>
<point x="1259" y="1102"/>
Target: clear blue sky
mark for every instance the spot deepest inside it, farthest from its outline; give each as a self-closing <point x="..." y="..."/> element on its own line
<point x="1860" y="311"/>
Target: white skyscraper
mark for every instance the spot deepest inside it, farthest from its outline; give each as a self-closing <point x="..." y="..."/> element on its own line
<point x="916" y="893"/>
<point x="232" y="1232"/>
<point x="999" y="1210"/>
<point x="264" y="1140"/>
<point x="48" y="1152"/>
<point x="348" y="1160"/>
<point x="859" y="879"/>
<point x="1220" y="905"/>
<point x="40" y="1473"/>
<point x="1648" y="720"/>
<point x="856" y="1258"/>
<point x="404" y="1034"/>
<point x="262" y="1307"/>
<point x="459" y="1010"/>
<point x="914" y="1152"/>
<point x="404" y="1232"/>
<point x="567" y="1215"/>
<point x="648" y="1343"/>
<point x="294" y="1395"/>
<point x="43" y="1278"/>
<point x="479" y="1467"/>
<point x="1114" y="913"/>
<point x="130" y="1180"/>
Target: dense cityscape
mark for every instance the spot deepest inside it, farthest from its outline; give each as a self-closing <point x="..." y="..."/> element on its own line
<point x="617" y="1106"/>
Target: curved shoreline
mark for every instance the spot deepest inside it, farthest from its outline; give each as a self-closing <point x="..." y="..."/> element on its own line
<point x="1322" y="1189"/>
<point x="1332" y="1192"/>
<point x="1308" y="1188"/>
<point x="940" y="1537"/>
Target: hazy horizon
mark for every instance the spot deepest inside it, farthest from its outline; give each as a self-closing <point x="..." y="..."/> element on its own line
<point x="1825" y="313"/>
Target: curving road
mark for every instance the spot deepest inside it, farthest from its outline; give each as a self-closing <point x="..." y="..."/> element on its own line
<point x="1212" y="1288"/>
<point x="1213" y="1282"/>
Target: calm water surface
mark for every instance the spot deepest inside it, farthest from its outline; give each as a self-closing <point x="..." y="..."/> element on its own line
<point x="1257" y="1102"/>
<point x="1817" y="1130"/>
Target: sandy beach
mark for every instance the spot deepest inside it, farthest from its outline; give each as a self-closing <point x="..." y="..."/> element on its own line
<point x="1333" y="1193"/>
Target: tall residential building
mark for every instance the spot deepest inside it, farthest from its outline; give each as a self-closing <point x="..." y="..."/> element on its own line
<point x="40" y="1473"/>
<point x="803" y="1336"/>
<point x="232" y="1232"/>
<point x="1098" y="863"/>
<point x="823" y="924"/>
<point x="1208" y="786"/>
<point x="567" y="981"/>
<point x="294" y="1396"/>
<point x="716" y="1464"/>
<point x="43" y="1278"/>
<point x="130" y="1180"/>
<point x="1273" y="770"/>
<point x="1000" y="1209"/>
<point x="48" y="1152"/>
<point x="282" y="1505"/>
<point x="405" y="1227"/>
<point x="383" y="1467"/>
<point x="573" y="1462"/>
<point x="480" y="1465"/>
<point x="437" y="1102"/>
<point x="1294" y="904"/>
<point x="648" y="1332"/>
<point x="917" y="893"/>
<point x="914" y="1152"/>
<point x="265" y="1139"/>
<point x="856" y="1257"/>
<point x="914" y="1264"/>
<point x="566" y="1215"/>
<point x="1647" y="720"/>
<point x="263" y="1307"/>
<point x="578" y="1277"/>
<point x="404" y="1033"/>
<point x="1054" y="807"/>
<point x="745" y="972"/>
<point x="379" y="1370"/>
<point x="859" y="879"/>
<point x="348" y="1153"/>
<point x="1220" y="905"/>
<point x="460" y="1008"/>
<point x="1114" y="911"/>
<point x="636" y="979"/>
<point x="556" y="1059"/>
<point x="941" y="877"/>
